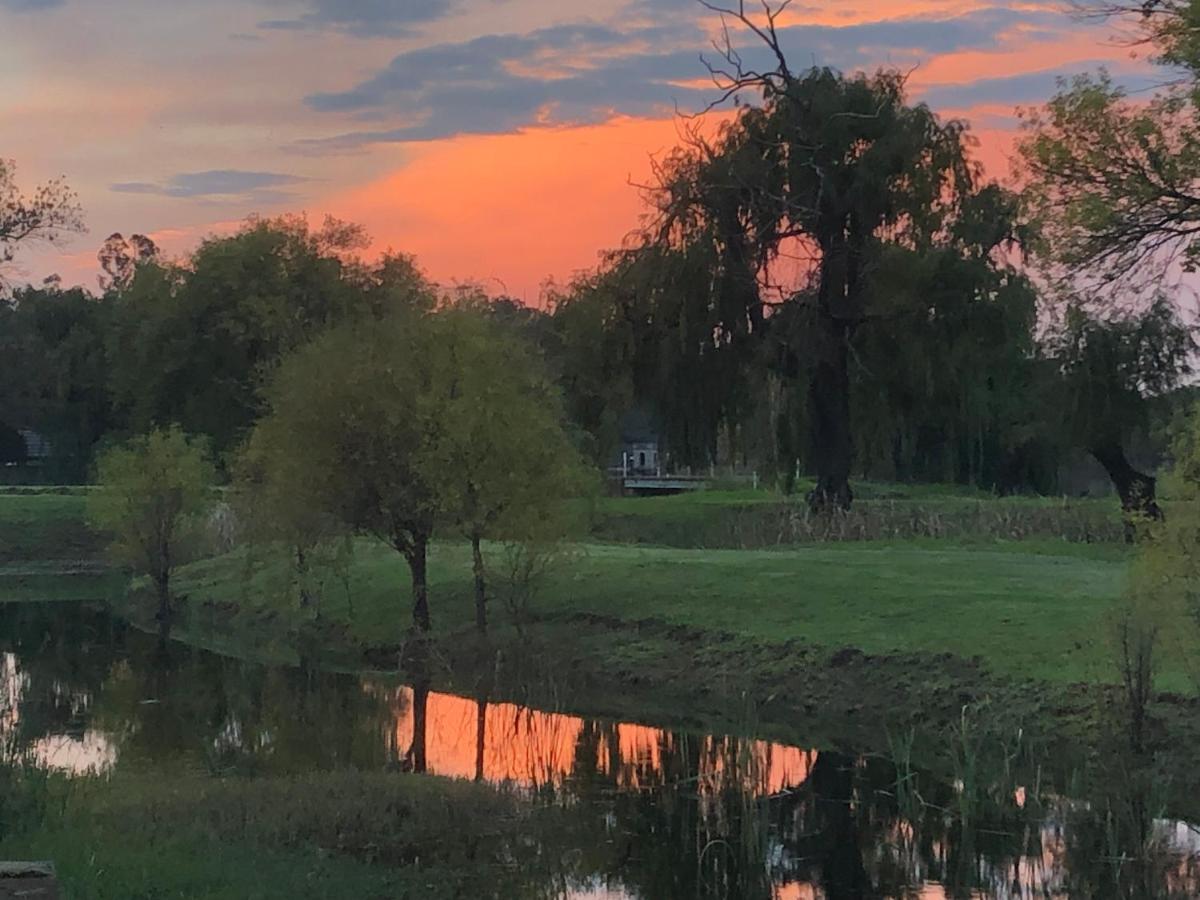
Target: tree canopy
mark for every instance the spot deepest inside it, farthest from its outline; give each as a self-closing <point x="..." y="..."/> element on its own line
<point x="785" y="230"/>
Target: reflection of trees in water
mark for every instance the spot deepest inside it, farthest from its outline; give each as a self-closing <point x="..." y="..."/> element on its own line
<point x="662" y="813"/>
<point x="1118" y="846"/>
<point x="79" y="670"/>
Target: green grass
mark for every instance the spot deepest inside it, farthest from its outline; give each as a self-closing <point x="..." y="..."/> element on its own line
<point x="336" y="835"/>
<point x="45" y="525"/>
<point x="1026" y="609"/>
<point x="1034" y="607"/>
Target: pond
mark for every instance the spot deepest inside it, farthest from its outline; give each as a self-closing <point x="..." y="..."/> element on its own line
<point x="654" y="812"/>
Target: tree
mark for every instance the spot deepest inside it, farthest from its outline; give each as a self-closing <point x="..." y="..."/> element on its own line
<point x="501" y="460"/>
<point x="46" y="216"/>
<point x="1110" y="367"/>
<point x="271" y="510"/>
<point x="191" y="342"/>
<point x="54" y="343"/>
<point x="345" y="426"/>
<point x="1170" y="27"/>
<point x="149" y="490"/>
<point x="794" y="204"/>
<point x="119" y="259"/>
<point x="1113" y="185"/>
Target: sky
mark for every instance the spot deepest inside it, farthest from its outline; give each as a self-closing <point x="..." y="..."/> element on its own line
<point x="500" y="141"/>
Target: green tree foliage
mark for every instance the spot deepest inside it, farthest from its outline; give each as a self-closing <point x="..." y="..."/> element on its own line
<point x="590" y="350"/>
<point x="1171" y="28"/>
<point x="47" y="215"/>
<point x="56" y="372"/>
<point x="119" y="258"/>
<point x="1111" y="367"/>
<point x="500" y="458"/>
<point x="192" y="342"/>
<point x="1113" y="184"/>
<point x="787" y="230"/>
<point x="346" y="424"/>
<point x="149" y="490"/>
<point x="394" y="426"/>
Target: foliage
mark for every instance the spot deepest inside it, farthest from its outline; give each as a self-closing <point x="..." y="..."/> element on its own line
<point x="55" y="340"/>
<point x="46" y="216"/>
<point x="1113" y="184"/>
<point x="119" y="258"/>
<point x="1112" y="365"/>
<point x="774" y="248"/>
<point x="498" y="457"/>
<point x="1166" y="577"/>
<point x="149" y="490"/>
<point x="191" y="342"/>
<point x="348" y="424"/>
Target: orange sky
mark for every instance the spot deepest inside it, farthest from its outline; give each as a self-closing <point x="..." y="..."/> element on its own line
<point x="496" y="141"/>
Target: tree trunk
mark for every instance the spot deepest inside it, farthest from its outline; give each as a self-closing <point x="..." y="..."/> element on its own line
<point x="1136" y="489"/>
<point x="162" y="588"/>
<point x="302" y="577"/>
<point x="480" y="585"/>
<point x="418" y="566"/>
<point x="829" y="421"/>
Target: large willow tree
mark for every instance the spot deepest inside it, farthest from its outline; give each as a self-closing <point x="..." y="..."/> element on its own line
<point x="795" y="212"/>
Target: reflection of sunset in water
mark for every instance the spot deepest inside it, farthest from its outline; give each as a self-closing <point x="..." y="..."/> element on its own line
<point x="78" y="753"/>
<point x="532" y="748"/>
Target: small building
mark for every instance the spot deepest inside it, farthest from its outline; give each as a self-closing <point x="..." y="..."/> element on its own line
<point x="37" y="448"/>
<point x="639" y="465"/>
<point x="639" y="449"/>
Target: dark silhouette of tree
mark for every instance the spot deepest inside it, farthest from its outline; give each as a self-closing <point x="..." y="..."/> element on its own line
<point x="1110" y="368"/>
<point x="119" y="258"/>
<point x="798" y="202"/>
<point x="47" y="215"/>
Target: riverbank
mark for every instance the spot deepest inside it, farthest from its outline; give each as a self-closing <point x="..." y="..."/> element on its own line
<point x="817" y="642"/>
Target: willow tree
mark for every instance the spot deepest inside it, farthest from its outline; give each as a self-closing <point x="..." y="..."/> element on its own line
<point x="1113" y="184"/>
<point x="1111" y="367"/>
<point x="793" y="203"/>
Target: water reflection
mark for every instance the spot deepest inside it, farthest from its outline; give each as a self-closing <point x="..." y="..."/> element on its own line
<point x="644" y="812"/>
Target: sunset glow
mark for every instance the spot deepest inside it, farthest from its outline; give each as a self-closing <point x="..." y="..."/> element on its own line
<point x="502" y="143"/>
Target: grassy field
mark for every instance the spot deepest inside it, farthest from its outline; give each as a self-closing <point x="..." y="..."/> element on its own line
<point x="1029" y="609"/>
<point x="337" y="835"/>
<point x="44" y="525"/>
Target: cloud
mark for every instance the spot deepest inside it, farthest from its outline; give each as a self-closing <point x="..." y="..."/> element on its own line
<point x="30" y="5"/>
<point x="365" y="18"/>
<point x="1022" y="89"/>
<point x="214" y="183"/>
<point x="578" y="74"/>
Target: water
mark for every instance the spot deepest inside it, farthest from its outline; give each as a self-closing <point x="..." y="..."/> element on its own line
<point x="654" y="812"/>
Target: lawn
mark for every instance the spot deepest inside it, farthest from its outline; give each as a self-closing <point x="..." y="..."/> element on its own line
<point x="44" y="525"/>
<point x="1034" y="609"/>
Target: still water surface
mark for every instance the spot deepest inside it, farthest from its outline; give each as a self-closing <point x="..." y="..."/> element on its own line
<point x="657" y="813"/>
